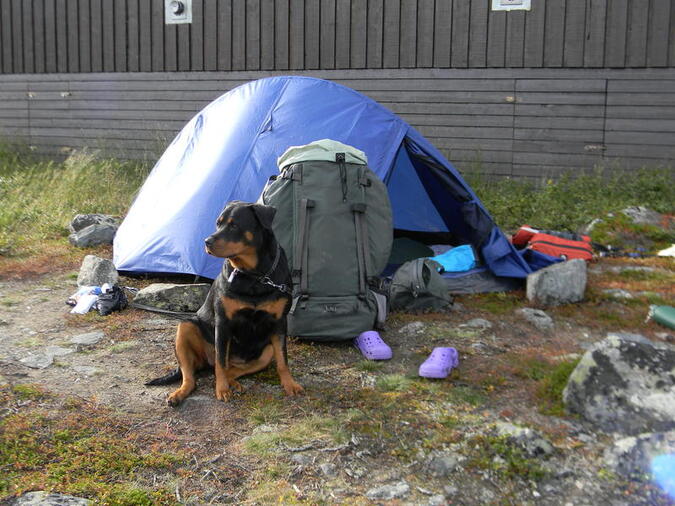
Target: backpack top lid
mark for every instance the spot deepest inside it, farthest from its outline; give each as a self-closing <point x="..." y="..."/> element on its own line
<point x="323" y="150"/>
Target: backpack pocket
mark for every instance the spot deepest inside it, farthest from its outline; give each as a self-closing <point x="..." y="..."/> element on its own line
<point x="331" y="318"/>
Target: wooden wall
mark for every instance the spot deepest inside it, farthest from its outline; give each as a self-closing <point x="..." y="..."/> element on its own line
<point x="528" y="122"/>
<point x="73" y="36"/>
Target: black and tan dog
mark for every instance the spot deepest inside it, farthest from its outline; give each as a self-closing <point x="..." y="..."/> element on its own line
<point x="241" y="326"/>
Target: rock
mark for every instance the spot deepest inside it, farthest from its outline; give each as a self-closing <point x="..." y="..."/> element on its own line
<point x="625" y="383"/>
<point x="618" y="293"/>
<point x="96" y="271"/>
<point x="437" y="500"/>
<point x="188" y="298"/>
<point x="442" y="464"/>
<point x="82" y="221"/>
<point x="641" y="215"/>
<point x="528" y="439"/>
<point x="477" y="323"/>
<point x="93" y="235"/>
<point x="560" y="283"/>
<point x="43" y="498"/>
<point x="388" y="492"/>
<point x="87" y="370"/>
<point x="633" y="456"/>
<point x="37" y="361"/>
<point x="450" y="491"/>
<point x="4" y="383"/>
<point x="88" y="339"/>
<point x="412" y="328"/>
<point x="302" y="459"/>
<point x="58" y="351"/>
<point x="328" y="469"/>
<point x="536" y="317"/>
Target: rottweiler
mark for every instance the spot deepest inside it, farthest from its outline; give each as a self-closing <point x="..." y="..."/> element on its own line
<point x="241" y="326"/>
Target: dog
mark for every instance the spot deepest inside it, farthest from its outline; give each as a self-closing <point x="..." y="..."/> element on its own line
<point x="241" y="327"/>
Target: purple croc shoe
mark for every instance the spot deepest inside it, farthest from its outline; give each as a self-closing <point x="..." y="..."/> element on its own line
<point x="372" y="346"/>
<point x="440" y="363"/>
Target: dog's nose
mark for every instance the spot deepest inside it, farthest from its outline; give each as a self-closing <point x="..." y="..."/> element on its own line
<point x="209" y="240"/>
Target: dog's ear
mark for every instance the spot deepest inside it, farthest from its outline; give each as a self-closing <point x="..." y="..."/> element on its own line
<point x="265" y="214"/>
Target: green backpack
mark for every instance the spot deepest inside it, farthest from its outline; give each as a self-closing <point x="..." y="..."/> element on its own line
<point x="417" y="286"/>
<point x="334" y="222"/>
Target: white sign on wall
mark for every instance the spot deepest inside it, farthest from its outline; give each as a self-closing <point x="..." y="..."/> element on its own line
<point x="511" y="5"/>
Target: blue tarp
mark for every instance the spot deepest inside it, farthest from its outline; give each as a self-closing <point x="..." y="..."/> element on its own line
<point x="229" y="150"/>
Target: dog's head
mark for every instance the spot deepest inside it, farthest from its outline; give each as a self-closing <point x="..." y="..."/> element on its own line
<point x="240" y="230"/>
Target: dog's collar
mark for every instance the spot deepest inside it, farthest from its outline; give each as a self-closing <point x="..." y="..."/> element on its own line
<point x="264" y="278"/>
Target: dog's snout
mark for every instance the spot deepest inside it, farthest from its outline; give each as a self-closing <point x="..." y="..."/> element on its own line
<point x="209" y="240"/>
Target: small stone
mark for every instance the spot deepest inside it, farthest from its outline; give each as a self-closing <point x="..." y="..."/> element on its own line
<point x="536" y="317"/>
<point x="96" y="271"/>
<point x="618" y="293"/>
<point x="450" y="490"/>
<point x="87" y="370"/>
<point x="477" y="323"/>
<point x="58" y="351"/>
<point x="442" y="464"/>
<point x="413" y="328"/>
<point x="561" y="283"/>
<point x="93" y="235"/>
<point x="43" y="498"/>
<point x="388" y="492"/>
<point x="88" y="339"/>
<point x="437" y="500"/>
<point x="41" y="361"/>
<point x="329" y="470"/>
<point x="529" y="440"/>
<point x="302" y="459"/>
<point x="185" y="298"/>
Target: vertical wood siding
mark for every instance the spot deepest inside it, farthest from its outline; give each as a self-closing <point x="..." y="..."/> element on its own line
<point x="130" y="35"/>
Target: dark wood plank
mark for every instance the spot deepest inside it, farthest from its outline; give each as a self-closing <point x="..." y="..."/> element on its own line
<point x="551" y="111"/>
<point x="442" y="33"/>
<point x="343" y="16"/>
<point x="84" y="22"/>
<point x="615" y="40"/>
<point x="425" y="33"/>
<point x="95" y="31"/>
<point x="375" y="32"/>
<point x="108" y="30"/>
<point x="312" y="34"/>
<point x="391" y="35"/>
<point x="658" y="32"/>
<point x="164" y="52"/>
<point x="17" y="36"/>
<point x="196" y="42"/>
<point x="253" y="34"/>
<point x="671" y="42"/>
<point x="639" y="112"/>
<point x="535" y="22"/>
<point x="594" y="47"/>
<point x="267" y="29"/>
<point x="132" y="36"/>
<point x="144" y="37"/>
<point x="561" y="85"/>
<point x="644" y="125"/>
<point x="644" y="85"/>
<point x="560" y="122"/>
<point x="496" y="48"/>
<point x="636" y="45"/>
<point x="28" y="32"/>
<point x="558" y="135"/>
<point x="225" y="35"/>
<point x="408" y="34"/>
<point x="327" y="43"/>
<point x="183" y="44"/>
<point x="357" y="46"/>
<point x="5" y="37"/>
<point x="515" y="38"/>
<point x="561" y="98"/>
<point x="461" y="12"/>
<point x="575" y="32"/>
<point x="296" y="28"/>
<point x="554" y="33"/>
<point x="120" y="28"/>
<point x="647" y="99"/>
<point x="478" y="34"/>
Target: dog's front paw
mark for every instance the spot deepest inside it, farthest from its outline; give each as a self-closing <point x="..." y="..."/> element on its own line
<point x="175" y="398"/>
<point x="292" y="388"/>
<point x="223" y="393"/>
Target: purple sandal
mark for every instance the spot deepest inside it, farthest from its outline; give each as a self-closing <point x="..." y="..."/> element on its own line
<point x="372" y="346"/>
<point x="439" y="363"/>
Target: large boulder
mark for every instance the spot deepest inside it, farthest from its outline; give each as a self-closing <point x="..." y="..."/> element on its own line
<point x="625" y="384"/>
<point x="184" y="298"/>
<point x="641" y="215"/>
<point x="82" y="221"/>
<point x="96" y="271"/>
<point x="560" y="283"/>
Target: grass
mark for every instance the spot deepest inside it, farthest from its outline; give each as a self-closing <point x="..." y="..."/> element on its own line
<point x="77" y="448"/>
<point x="550" y="389"/>
<point x="41" y="197"/>
<point x="569" y="203"/>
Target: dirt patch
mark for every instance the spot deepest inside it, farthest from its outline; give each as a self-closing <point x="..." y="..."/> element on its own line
<point x="361" y="426"/>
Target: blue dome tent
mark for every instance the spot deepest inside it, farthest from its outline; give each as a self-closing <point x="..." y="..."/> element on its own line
<point x="229" y="150"/>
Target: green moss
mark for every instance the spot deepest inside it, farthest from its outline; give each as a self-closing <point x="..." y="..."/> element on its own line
<point x="27" y="391"/>
<point x="499" y="455"/>
<point x="551" y="387"/>
<point x="369" y="365"/>
<point x="393" y="383"/>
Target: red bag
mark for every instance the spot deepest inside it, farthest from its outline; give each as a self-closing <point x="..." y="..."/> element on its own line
<point x="559" y="247"/>
<point x="523" y="236"/>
